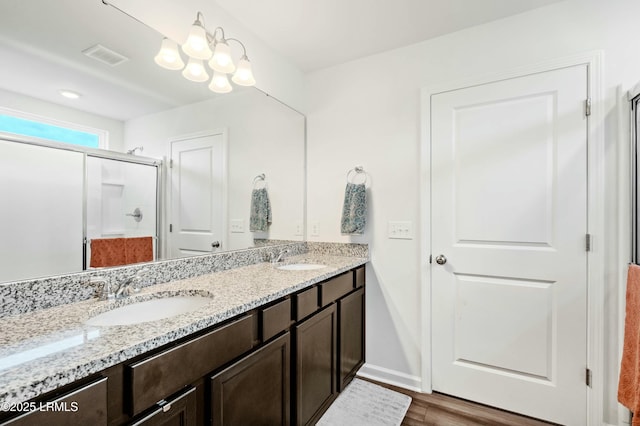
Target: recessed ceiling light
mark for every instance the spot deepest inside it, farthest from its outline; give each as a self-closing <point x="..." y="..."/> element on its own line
<point x="69" y="94"/>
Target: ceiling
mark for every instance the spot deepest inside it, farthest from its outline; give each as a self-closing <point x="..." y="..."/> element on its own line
<point x="41" y="43"/>
<point x="315" y="34"/>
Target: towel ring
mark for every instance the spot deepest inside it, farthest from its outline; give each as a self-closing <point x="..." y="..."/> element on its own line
<point x="357" y="170"/>
<point x="260" y="178"/>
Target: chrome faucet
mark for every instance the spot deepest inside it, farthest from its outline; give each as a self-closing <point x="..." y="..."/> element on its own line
<point x="129" y="285"/>
<point x="279" y="257"/>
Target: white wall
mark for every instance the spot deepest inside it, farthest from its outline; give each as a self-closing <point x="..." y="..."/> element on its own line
<point x="22" y="103"/>
<point x="263" y="135"/>
<point x="362" y="113"/>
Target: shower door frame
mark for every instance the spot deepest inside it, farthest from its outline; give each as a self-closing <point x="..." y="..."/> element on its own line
<point x="105" y="154"/>
<point x="634" y="114"/>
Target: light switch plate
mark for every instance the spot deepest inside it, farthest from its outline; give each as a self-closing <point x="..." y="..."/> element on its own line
<point x="402" y="230"/>
<point x="237" y="226"/>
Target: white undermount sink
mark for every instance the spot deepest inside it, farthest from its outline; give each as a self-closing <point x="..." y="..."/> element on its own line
<point x="149" y="310"/>
<point x="301" y="266"/>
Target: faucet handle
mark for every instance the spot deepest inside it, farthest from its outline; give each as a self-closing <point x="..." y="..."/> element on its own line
<point x="137" y="279"/>
<point x="105" y="292"/>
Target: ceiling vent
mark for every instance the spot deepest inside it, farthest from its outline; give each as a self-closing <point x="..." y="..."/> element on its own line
<point x="104" y="55"/>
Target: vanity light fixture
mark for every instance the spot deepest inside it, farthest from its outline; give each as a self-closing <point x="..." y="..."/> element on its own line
<point x="213" y="48"/>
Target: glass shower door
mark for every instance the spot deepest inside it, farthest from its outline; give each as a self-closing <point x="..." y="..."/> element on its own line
<point x="121" y="212"/>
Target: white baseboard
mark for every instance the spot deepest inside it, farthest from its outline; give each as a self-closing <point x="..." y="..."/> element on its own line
<point x="391" y="377"/>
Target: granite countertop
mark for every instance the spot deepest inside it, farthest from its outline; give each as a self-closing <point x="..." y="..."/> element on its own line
<point x="43" y="350"/>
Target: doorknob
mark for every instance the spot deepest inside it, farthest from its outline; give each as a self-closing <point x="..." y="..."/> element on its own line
<point x="215" y="244"/>
<point x="440" y="259"/>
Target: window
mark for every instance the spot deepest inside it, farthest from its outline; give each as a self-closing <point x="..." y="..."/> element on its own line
<point x="45" y="128"/>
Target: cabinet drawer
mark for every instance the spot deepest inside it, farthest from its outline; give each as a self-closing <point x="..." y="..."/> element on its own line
<point x="360" y="277"/>
<point x="86" y="405"/>
<point x="180" y="410"/>
<point x="306" y="303"/>
<point x="276" y="318"/>
<point x="335" y="288"/>
<point x="163" y="374"/>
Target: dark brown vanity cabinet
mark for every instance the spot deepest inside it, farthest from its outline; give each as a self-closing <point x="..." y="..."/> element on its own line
<point x="329" y="345"/>
<point x="279" y="364"/>
<point x="256" y="389"/>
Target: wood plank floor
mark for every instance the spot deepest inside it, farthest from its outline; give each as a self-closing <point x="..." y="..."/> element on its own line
<point x="442" y="410"/>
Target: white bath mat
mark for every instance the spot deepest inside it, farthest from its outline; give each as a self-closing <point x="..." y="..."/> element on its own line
<point x="366" y="404"/>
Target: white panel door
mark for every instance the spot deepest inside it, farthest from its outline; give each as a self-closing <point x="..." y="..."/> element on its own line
<point x="197" y="195"/>
<point x="509" y="191"/>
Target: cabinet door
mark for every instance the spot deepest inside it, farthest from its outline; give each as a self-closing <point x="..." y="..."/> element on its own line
<point x="255" y="390"/>
<point x="316" y="353"/>
<point x="177" y="411"/>
<point x="83" y="406"/>
<point x="351" y="344"/>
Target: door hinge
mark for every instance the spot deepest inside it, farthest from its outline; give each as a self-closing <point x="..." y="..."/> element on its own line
<point x="588" y="377"/>
<point x="430" y="259"/>
<point x="171" y="163"/>
<point x="171" y="227"/>
<point x="588" y="242"/>
<point x="587" y="107"/>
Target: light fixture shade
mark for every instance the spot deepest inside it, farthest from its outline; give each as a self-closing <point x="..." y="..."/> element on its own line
<point x="220" y="83"/>
<point x="244" y="75"/>
<point x="197" y="45"/>
<point x="168" y="57"/>
<point x="221" y="59"/>
<point x="195" y="71"/>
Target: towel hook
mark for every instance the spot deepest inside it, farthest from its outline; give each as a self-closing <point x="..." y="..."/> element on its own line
<point x="260" y="178"/>
<point x="357" y="170"/>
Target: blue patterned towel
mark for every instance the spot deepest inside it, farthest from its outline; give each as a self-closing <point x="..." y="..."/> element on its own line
<point x="260" y="216"/>
<point x="354" y="209"/>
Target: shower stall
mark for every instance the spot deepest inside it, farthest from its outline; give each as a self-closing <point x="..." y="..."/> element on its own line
<point x="56" y="199"/>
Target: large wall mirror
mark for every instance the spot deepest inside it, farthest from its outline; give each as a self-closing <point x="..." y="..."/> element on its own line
<point x="215" y="150"/>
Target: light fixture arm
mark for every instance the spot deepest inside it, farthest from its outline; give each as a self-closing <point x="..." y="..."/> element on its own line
<point x="216" y="31"/>
<point x="200" y="19"/>
<point x="244" y="49"/>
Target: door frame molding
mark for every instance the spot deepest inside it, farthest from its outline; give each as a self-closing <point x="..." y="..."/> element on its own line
<point x="596" y="261"/>
<point x="225" y="182"/>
